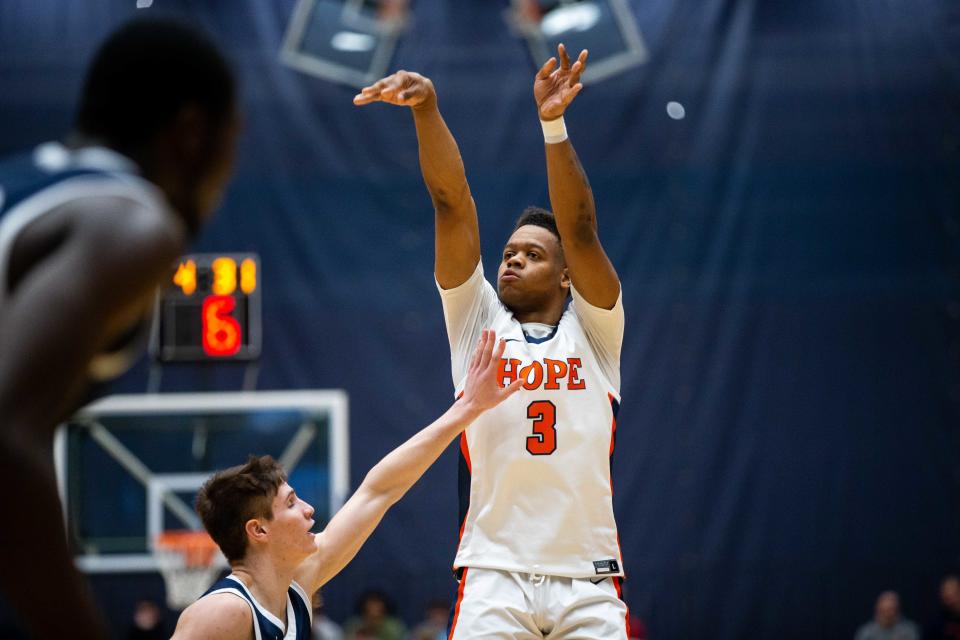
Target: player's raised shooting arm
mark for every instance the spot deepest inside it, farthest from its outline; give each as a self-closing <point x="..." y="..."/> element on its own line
<point x="390" y="478"/>
<point x="55" y="319"/>
<point x="457" y="231"/>
<point x="571" y="198"/>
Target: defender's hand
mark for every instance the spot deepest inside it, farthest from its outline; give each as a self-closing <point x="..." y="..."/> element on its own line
<point x="482" y="390"/>
<point x="403" y="88"/>
<point x="555" y="88"/>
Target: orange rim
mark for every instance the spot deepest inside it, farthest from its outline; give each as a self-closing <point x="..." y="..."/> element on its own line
<point x="197" y="547"/>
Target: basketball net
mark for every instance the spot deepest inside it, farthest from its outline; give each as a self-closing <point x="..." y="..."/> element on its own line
<point x="186" y="562"/>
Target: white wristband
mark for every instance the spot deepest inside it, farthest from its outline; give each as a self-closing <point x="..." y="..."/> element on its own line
<point x="554" y="131"/>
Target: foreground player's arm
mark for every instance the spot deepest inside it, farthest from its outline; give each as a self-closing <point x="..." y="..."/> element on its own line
<point x="102" y="257"/>
<point x="457" y="232"/>
<point x="570" y="195"/>
<point x="104" y="260"/>
<point x="400" y="469"/>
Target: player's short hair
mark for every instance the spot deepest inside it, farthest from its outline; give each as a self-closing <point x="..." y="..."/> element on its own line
<point x="233" y="496"/>
<point x="538" y="217"/>
<point x="144" y="74"/>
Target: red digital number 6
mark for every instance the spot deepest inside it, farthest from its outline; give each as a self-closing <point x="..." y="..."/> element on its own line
<point x="543" y="442"/>
<point x="221" y="331"/>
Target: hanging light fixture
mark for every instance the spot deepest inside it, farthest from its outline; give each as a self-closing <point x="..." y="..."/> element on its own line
<point x="348" y="41"/>
<point x="607" y="28"/>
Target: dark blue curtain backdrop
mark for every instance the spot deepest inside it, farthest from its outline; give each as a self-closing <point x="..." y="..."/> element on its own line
<point x="790" y="256"/>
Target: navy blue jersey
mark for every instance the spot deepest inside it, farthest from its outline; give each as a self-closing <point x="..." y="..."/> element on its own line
<point x="266" y="626"/>
<point x="50" y="177"/>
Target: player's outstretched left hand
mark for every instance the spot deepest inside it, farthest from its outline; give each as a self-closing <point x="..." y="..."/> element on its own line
<point x="554" y="88"/>
<point x="403" y="88"/>
<point x="482" y="389"/>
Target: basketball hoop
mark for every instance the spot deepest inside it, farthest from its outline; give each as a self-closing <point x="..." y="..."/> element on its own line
<point x="186" y="561"/>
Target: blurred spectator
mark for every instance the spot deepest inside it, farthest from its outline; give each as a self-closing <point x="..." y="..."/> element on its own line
<point x="434" y="626"/>
<point x="887" y="623"/>
<point x="147" y="622"/>
<point x="374" y="620"/>
<point x="323" y="627"/>
<point x="947" y="625"/>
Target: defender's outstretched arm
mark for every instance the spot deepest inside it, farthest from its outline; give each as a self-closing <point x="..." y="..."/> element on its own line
<point x="571" y="198"/>
<point x="390" y="478"/>
<point x="457" y="232"/>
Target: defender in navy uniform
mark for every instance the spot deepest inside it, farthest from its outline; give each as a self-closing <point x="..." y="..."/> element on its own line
<point x="263" y="528"/>
<point x="298" y="611"/>
<point x="88" y="229"/>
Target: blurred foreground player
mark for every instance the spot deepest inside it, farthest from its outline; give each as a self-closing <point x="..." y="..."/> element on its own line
<point x="539" y="554"/>
<point x="88" y="229"/>
<point x="263" y="528"/>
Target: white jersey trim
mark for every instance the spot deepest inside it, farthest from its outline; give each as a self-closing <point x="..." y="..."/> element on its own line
<point x="303" y="596"/>
<point x="253" y="610"/>
<point x="289" y="629"/>
<point x="266" y="614"/>
<point x="122" y="186"/>
<point x="84" y="186"/>
<point x="103" y="366"/>
<point x="119" y="173"/>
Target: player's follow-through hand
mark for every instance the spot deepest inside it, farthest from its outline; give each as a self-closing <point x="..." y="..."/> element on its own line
<point x="403" y="88"/>
<point x="554" y="88"/>
<point x="482" y="390"/>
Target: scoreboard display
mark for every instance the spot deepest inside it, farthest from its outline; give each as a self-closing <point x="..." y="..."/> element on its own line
<point x="210" y="310"/>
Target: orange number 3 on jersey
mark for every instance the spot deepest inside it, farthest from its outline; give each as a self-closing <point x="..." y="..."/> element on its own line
<point x="543" y="442"/>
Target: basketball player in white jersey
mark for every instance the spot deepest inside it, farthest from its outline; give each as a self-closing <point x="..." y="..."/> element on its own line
<point x="539" y="555"/>
<point x="88" y="229"/>
<point x="263" y="528"/>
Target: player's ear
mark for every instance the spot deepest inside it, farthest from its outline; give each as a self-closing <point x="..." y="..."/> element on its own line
<point x="565" y="279"/>
<point x="256" y="532"/>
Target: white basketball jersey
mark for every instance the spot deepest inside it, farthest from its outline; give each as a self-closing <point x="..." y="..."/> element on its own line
<point x="538" y="465"/>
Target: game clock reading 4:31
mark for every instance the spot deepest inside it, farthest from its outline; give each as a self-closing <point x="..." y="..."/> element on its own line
<point x="210" y="310"/>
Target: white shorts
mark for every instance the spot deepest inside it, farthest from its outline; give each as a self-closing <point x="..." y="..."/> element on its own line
<point x="522" y="606"/>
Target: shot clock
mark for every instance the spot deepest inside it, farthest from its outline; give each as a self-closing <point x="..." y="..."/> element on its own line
<point x="210" y="310"/>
